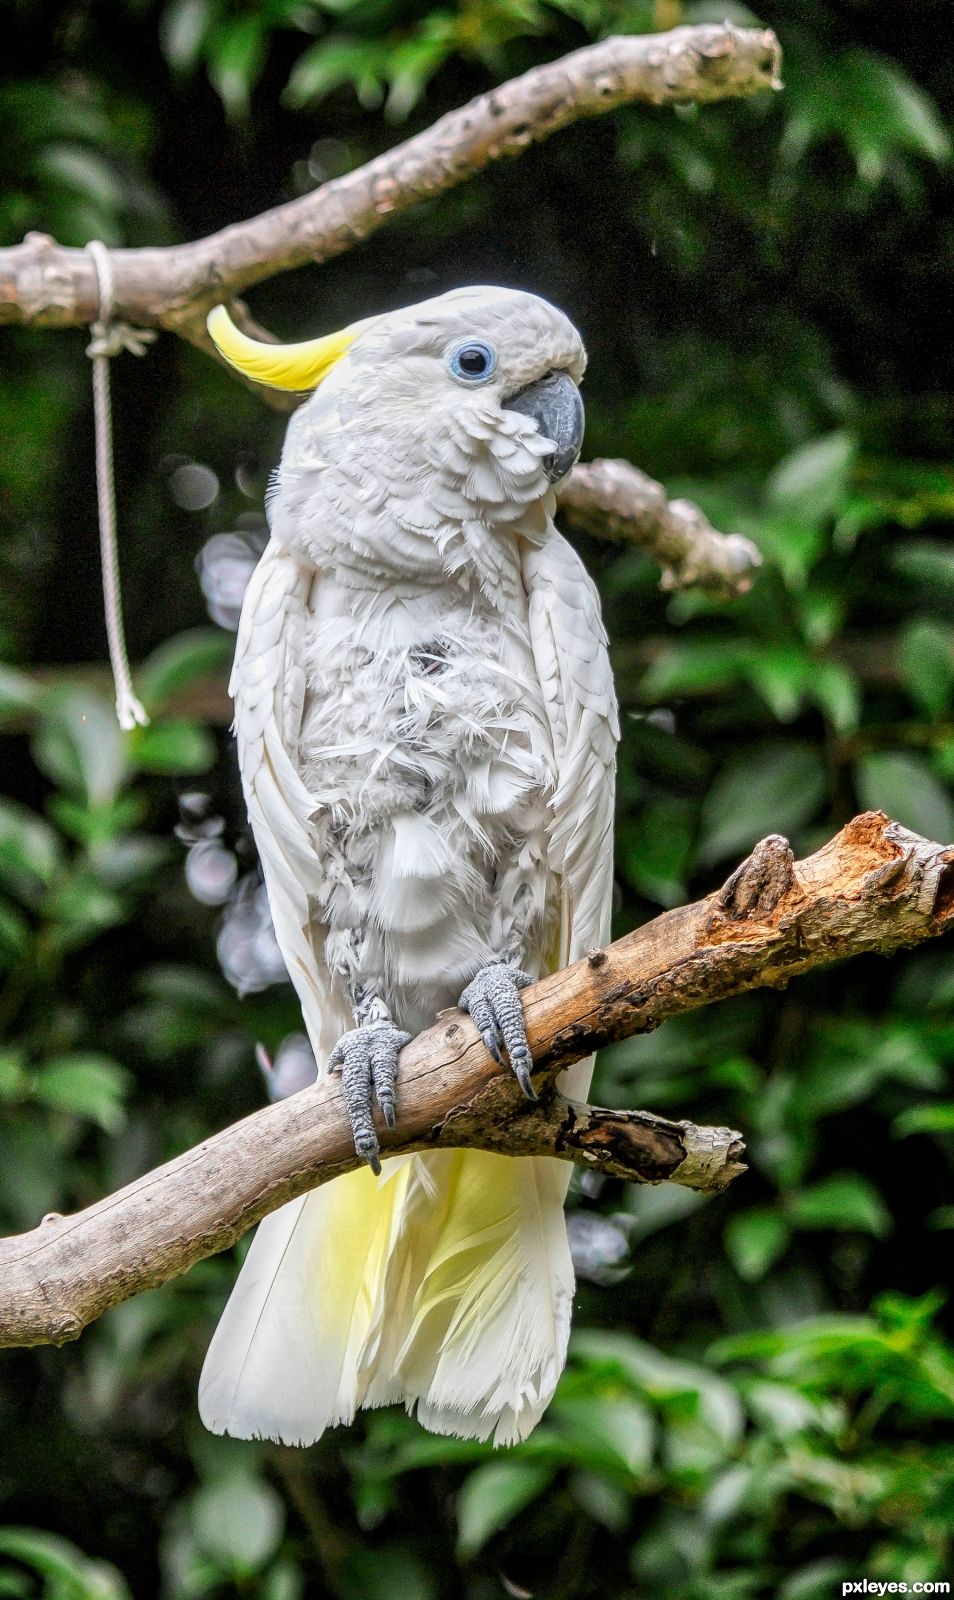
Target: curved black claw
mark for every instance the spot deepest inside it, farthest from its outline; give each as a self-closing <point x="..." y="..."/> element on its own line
<point x="367" y="1059"/>
<point x="493" y="1001"/>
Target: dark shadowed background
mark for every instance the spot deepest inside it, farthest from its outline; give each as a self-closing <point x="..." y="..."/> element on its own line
<point x="760" y="1394"/>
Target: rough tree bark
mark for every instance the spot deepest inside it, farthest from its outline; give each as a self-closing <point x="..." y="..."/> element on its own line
<point x="614" y="500"/>
<point x="873" y="888"/>
<point x="47" y="285"/>
<point x="43" y="284"/>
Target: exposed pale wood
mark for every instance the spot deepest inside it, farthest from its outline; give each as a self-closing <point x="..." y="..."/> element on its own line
<point x="873" y="887"/>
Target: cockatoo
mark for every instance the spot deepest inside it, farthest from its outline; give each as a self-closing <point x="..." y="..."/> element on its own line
<point x="426" y="732"/>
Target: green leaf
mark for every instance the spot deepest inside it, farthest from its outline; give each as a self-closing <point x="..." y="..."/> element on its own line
<point x="236" y="57"/>
<point x="14" y="933"/>
<point x="927" y="563"/>
<point x="183" y="27"/>
<point x="901" y="783"/>
<point x="818" y="1580"/>
<point x="655" y="849"/>
<point x="869" y="102"/>
<point x="492" y="1496"/>
<point x="239" y="1524"/>
<point x="792" y="544"/>
<point x="754" y="1241"/>
<point x="18" y="693"/>
<point x="72" y="1575"/>
<point x="942" y="760"/>
<point x="173" y="748"/>
<point x="851" y="1059"/>
<point x="182" y="661"/>
<point x="410" y="69"/>
<point x="835" y="691"/>
<point x="887" y="110"/>
<point x="936" y="1118"/>
<point x="14" y="1081"/>
<point x="698" y="666"/>
<point x="89" y="1086"/>
<point x="32" y="1169"/>
<point x="126" y="861"/>
<point x="780" y="674"/>
<point x="79" y="744"/>
<point x="812" y="483"/>
<point x="616" y="1431"/>
<point x="769" y="789"/>
<point x="387" y="1572"/>
<point x="926" y="660"/>
<point x="80" y="907"/>
<point x="334" y="62"/>
<point x="845" y="1201"/>
<point x="93" y="825"/>
<point x="29" y="850"/>
<point x="606" y="1502"/>
<point x="905" y="108"/>
<point x="86" y="170"/>
<point x="785" y="1410"/>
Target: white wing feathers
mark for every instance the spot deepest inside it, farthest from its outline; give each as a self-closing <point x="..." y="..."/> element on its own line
<point x="273" y="1368"/>
<point x="570" y="650"/>
<point x="268" y="687"/>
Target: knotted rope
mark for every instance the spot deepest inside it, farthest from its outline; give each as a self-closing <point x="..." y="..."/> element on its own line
<point x="109" y="338"/>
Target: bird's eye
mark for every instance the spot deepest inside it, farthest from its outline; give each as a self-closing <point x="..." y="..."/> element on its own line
<point x="473" y="361"/>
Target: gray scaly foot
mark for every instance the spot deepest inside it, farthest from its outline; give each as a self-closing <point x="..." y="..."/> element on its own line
<point x="493" y="1001"/>
<point x="367" y="1059"/>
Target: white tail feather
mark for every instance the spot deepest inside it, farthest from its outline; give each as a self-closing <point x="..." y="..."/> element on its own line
<point x="446" y="1284"/>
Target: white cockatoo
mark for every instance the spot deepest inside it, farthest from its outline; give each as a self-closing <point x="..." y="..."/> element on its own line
<point x="426" y="730"/>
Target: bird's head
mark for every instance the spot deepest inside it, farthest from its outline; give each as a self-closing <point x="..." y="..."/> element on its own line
<point x="479" y="372"/>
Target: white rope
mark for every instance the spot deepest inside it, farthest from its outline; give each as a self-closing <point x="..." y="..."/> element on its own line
<point x="109" y="338"/>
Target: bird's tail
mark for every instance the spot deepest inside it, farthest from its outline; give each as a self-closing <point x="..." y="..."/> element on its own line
<point x="445" y="1284"/>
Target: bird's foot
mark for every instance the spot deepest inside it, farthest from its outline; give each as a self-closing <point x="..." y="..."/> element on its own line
<point x="367" y="1060"/>
<point x="493" y="1001"/>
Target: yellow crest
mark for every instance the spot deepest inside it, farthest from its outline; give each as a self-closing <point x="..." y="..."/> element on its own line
<point x="281" y="366"/>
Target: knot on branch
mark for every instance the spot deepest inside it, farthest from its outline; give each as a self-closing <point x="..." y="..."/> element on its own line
<point x="756" y="887"/>
<point x="943" y="907"/>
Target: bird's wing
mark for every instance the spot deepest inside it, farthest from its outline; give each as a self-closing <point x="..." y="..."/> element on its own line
<point x="570" y="653"/>
<point x="268" y="687"/>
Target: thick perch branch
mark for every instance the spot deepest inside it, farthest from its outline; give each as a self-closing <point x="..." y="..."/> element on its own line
<point x="616" y="501"/>
<point x="874" y="887"/>
<point x="44" y="284"/>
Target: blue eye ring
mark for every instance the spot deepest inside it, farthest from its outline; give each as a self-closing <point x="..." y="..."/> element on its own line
<point x="472" y="361"/>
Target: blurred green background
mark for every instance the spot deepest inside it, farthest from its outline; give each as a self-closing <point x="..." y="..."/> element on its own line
<point x="760" y="1393"/>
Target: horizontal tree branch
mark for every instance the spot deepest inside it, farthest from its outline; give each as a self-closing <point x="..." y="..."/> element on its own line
<point x="614" y="500"/>
<point x="874" y="887"/>
<point x="43" y="284"/>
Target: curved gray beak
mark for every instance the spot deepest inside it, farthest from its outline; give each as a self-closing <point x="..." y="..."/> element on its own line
<point x="555" y="405"/>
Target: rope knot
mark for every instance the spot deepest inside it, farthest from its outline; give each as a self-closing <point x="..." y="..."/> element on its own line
<point x="111" y="339"/>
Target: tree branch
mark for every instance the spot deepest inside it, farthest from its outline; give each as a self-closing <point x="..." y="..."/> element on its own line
<point x="614" y="500"/>
<point x="43" y="284"/>
<point x="874" y="887"/>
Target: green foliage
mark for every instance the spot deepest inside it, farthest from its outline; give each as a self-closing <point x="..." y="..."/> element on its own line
<point x="759" y="1396"/>
<point x="63" y="1571"/>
